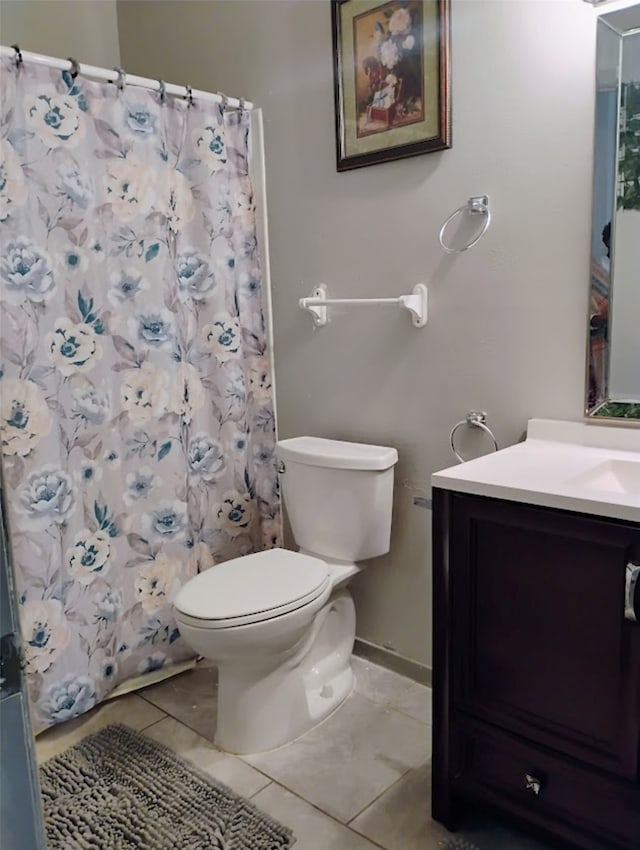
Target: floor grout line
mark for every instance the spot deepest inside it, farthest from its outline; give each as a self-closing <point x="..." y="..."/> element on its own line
<point x="381" y="794"/>
<point x="346" y="824"/>
<point x="181" y="720"/>
<point x="323" y="813"/>
<point x="155" y="723"/>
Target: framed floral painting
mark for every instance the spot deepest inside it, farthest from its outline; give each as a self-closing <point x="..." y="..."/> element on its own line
<point x="391" y="78"/>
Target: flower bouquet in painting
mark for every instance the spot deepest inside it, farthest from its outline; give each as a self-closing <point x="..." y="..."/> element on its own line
<point x="388" y="67"/>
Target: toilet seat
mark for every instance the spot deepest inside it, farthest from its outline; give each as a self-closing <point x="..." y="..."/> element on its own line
<point x="252" y="588"/>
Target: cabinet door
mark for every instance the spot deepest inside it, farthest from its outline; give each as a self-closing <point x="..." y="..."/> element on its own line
<point x="541" y="646"/>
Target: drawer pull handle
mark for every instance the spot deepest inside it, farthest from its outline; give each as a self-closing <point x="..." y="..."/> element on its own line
<point x="533" y="783"/>
<point x="632" y="591"/>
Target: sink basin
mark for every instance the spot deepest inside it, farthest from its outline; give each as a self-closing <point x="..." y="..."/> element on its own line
<point x="615" y="476"/>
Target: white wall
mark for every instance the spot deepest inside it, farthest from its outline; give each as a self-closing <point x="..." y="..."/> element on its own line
<point x="506" y="332"/>
<point x="84" y="29"/>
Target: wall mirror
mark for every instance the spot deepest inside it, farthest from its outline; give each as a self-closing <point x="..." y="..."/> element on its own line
<point x="613" y="356"/>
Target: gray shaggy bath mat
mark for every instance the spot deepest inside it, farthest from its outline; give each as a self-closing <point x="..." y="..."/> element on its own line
<point x="117" y="790"/>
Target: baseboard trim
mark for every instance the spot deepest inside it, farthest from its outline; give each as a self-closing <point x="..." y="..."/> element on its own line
<point x="393" y="661"/>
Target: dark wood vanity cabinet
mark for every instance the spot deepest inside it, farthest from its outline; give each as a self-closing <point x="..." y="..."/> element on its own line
<point x="536" y="669"/>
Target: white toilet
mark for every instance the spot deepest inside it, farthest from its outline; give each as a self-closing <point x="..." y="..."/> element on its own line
<point x="280" y="625"/>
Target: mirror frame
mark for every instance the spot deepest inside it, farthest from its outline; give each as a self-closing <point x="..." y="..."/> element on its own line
<point x="607" y="410"/>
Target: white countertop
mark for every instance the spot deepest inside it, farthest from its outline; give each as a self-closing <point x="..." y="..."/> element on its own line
<point x="550" y="468"/>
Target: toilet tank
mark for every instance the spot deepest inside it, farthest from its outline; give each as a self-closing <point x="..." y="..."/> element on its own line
<point x="338" y="496"/>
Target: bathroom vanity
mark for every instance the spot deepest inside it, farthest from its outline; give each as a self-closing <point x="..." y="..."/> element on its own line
<point x="536" y="569"/>
<point x="537" y="634"/>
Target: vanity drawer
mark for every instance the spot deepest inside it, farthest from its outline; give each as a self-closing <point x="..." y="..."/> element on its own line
<point x="583" y="805"/>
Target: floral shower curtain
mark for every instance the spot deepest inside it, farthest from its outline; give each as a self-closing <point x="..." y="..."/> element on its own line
<point x="137" y="416"/>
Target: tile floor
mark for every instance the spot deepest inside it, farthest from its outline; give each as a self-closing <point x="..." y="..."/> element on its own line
<point x="358" y="781"/>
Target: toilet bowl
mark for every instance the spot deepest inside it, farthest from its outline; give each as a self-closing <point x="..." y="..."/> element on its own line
<point x="280" y="625"/>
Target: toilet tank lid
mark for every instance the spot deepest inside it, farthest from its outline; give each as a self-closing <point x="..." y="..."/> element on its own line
<point x="336" y="454"/>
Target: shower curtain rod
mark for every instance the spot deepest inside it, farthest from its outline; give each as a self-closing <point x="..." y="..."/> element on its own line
<point x="122" y="78"/>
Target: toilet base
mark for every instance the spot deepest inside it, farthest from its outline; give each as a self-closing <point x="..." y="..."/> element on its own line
<point x="264" y="704"/>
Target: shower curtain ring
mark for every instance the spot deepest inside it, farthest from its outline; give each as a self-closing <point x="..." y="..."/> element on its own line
<point x="122" y="77"/>
<point x="162" y="90"/>
<point x="225" y="100"/>
<point x="18" y="57"/>
<point x="189" y="95"/>
<point x="75" y="67"/>
<point x="241" y="103"/>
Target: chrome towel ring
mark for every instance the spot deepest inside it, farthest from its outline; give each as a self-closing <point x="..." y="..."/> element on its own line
<point x="478" y="205"/>
<point x="476" y="419"/>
